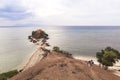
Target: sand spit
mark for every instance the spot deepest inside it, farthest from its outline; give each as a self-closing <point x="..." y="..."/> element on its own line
<point x="36" y="57"/>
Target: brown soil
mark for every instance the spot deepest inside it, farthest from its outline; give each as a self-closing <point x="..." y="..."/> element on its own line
<point x="58" y="67"/>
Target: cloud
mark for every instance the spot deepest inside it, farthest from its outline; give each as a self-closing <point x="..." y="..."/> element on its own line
<point x="61" y="12"/>
<point x="13" y="11"/>
<point x="77" y="12"/>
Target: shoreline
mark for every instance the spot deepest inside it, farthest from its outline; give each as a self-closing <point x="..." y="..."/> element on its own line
<point x="87" y="58"/>
<point x="28" y="59"/>
<point x="115" y="68"/>
<point x="33" y="57"/>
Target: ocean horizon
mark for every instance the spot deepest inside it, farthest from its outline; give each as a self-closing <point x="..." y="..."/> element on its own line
<point x="78" y="40"/>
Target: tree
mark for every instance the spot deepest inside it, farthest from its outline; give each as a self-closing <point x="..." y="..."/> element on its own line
<point x="108" y="57"/>
<point x="55" y="48"/>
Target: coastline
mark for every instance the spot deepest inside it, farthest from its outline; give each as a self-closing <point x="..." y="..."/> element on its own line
<point x="115" y="68"/>
<point x="32" y="58"/>
<point x="28" y="59"/>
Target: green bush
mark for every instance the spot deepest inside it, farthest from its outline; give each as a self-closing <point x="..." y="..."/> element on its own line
<point x="65" y="53"/>
<point x="33" y="32"/>
<point x="55" y="48"/>
<point x="108" y="57"/>
<point x="4" y="76"/>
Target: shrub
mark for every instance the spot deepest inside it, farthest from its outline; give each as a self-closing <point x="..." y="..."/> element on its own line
<point x="55" y="48"/>
<point x="4" y="76"/>
<point x="65" y="53"/>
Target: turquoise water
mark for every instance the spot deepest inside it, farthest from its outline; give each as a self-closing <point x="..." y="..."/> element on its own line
<point x="15" y="47"/>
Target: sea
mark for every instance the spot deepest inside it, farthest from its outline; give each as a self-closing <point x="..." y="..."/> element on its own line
<point x="78" y="40"/>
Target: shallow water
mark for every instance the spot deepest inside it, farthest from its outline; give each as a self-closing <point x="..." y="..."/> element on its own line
<point x="15" y="47"/>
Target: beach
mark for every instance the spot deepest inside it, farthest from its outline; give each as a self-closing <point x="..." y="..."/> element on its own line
<point x="116" y="66"/>
<point x="35" y="57"/>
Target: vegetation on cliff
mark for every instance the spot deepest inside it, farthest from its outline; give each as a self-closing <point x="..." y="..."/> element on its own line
<point x="59" y="51"/>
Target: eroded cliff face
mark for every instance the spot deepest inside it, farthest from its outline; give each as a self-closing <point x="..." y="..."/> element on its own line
<point x="56" y="66"/>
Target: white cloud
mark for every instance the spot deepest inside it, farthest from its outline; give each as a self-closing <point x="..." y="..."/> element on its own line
<point x="69" y="12"/>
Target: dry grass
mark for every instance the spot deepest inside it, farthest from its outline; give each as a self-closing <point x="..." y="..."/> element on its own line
<point x="58" y="67"/>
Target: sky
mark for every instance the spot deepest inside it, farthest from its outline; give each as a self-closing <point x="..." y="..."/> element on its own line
<point x="59" y="12"/>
